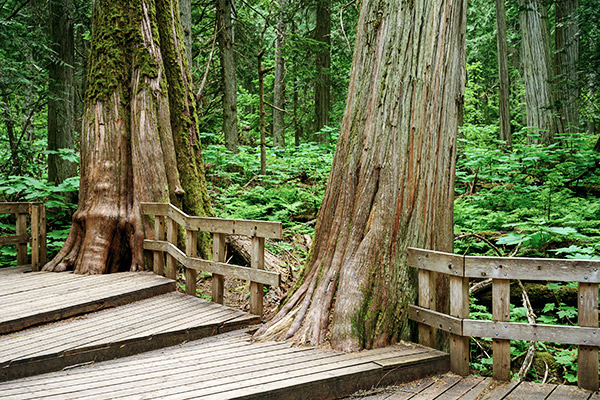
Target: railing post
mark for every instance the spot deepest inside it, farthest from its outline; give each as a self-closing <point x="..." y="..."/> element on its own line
<point x="171" y="269"/>
<point x="191" y="250"/>
<point x="218" y="281"/>
<point x="158" y="262"/>
<point x="501" y="313"/>
<point x="426" y="300"/>
<point x="35" y="237"/>
<point x="459" y="307"/>
<point x="43" y="230"/>
<point x="256" y="289"/>
<point x="587" y="369"/>
<point x="21" y="247"/>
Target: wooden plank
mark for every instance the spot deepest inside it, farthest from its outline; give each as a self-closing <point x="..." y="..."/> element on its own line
<point x="536" y="332"/>
<point x="436" y="261"/>
<point x="257" y="262"/>
<point x="440" y="386"/>
<point x="587" y="361"/>
<point x="435" y="319"/>
<point x="14" y="207"/>
<point x="533" y="269"/>
<point x="475" y="392"/>
<point x="501" y="391"/>
<point x="43" y="239"/>
<point x="22" y="230"/>
<point x="530" y="391"/>
<point x="462" y="387"/>
<point x="15" y="239"/>
<point x="218" y="280"/>
<point x="235" y="271"/>
<point x="171" y="267"/>
<point x="266" y="229"/>
<point x="459" y="308"/>
<point x="35" y="238"/>
<point x="563" y="392"/>
<point x="500" y="312"/>
<point x="191" y="250"/>
<point x="426" y="301"/>
<point x="158" y="264"/>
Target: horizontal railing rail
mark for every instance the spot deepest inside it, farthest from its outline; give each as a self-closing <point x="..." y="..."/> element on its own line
<point x="166" y="219"/>
<point x="36" y="238"/>
<point x="501" y="270"/>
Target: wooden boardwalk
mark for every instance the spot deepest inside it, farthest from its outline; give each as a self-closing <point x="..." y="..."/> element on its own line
<point x="454" y="387"/>
<point x="229" y="366"/>
<point x="28" y="299"/>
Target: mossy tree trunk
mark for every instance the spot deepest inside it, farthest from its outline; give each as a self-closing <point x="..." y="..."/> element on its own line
<point x="137" y="109"/>
<point x="392" y="181"/>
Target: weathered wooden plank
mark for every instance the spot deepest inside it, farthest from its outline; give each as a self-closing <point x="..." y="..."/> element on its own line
<point x="15" y="207"/>
<point x="171" y="266"/>
<point x="533" y="269"/>
<point x="500" y="391"/>
<point x="587" y="371"/>
<point x="435" y="319"/>
<point x="266" y="229"/>
<point x="459" y="308"/>
<point x="191" y="250"/>
<point x="475" y="392"/>
<point x="15" y="239"/>
<point x="235" y="271"/>
<point x="218" y="281"/>
<point x="462" y="387"/>
<point x="43" y="238"/>
<point x="563" y="392"/>
<point x="35" y="237"/>
<point x="436" y="261"/>
<point x="440" y="386"/>
<point x="22" y="230"/>
<point x="426" y="302"/>
<point x="257" y="262"/>
<point x="530" y="391"/>
<point x="536" y="332"/>
<point x="500" y="312"/>
<point x="158" y="264"/>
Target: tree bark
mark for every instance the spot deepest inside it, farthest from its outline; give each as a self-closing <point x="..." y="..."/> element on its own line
<point x="226" y="43"/>
<point x="323" y="64"/>
<point x="186" y="26"/>
<point x="503" y="81"/>
<point x="566" y="39"/>
<point x="279" y="80"/>
<point x="392" y="181"/>
<point x="137" y="107"/>
<point x="61" y="96"/>
<point x="537" y="69"/>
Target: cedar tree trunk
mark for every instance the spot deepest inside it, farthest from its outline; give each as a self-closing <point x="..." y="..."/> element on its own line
<point x="138" y="107"/>
<point x="323" y="64"/>
<point x="503" y="82"/>
<point x="279" y="80"/>
<point x="392" y="181"/>
<point x="566" y="37"/>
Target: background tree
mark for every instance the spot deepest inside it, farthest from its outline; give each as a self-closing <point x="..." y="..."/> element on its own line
<point x="566" y="39"/>
<point x="323" y="65"/>
<point x="503" y="80"/>
<point x="279" y="79"/>
<point x="392" y="175"/>
<point x="138" y="104"/>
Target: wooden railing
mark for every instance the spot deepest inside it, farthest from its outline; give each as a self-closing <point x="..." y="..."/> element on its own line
<point x="460" y="268"/>
<point x="165" y="242"/>
<point x="36" y="238"/>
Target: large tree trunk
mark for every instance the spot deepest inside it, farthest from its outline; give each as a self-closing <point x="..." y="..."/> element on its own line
<point x="137" y="106"/>
<point x="503" y="82"/>
<point x="566" y="37"/>
<point x="279" y="80"/>
<point x="392" y="181"/>
<point x="537" y="69"/>
<point x="186" y="26"/>
<point x="226" y="40"/>
<point x="61" y="96"/>
<point x="323" y="64"/>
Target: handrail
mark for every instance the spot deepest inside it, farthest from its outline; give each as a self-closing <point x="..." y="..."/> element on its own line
<point x="165" y="242"/>
<point x="37" y="237"/>
<point x="502" y="270"/>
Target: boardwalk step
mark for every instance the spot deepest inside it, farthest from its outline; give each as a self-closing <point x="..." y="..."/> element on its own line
<point x="230" y="366"/>
<point x="145" y="325"/>
<point x="29" y="299"/>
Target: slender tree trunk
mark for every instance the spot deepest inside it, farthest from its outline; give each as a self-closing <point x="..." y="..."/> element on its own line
<point x="503" y="81"/>
<point x="137" y="75"/>
<point x="567" y="58"/>
<point x="261" y="112"/>
<point x="226" y="43"/>
<point x="392" y="181"/>
<point x="538" y="70"/>
<point x="323" y="64"/>
<point x="185" y="7"/>
<point x="61" y="96"/>
<point x="279" y="82"/>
